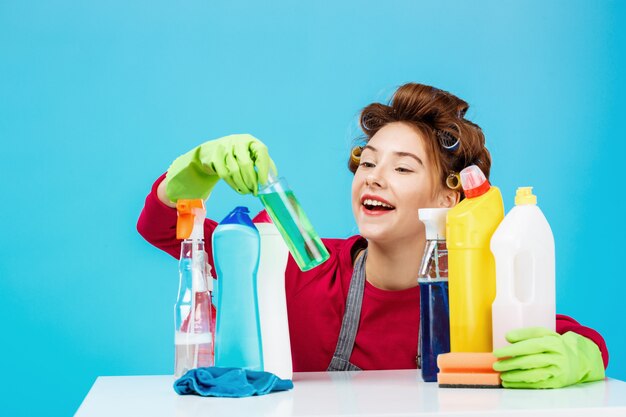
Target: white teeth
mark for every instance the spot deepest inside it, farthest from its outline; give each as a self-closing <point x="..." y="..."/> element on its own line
<point x="370" y="202"/>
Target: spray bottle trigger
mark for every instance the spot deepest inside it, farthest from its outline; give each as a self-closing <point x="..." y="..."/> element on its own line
<point x="186" y="213"/>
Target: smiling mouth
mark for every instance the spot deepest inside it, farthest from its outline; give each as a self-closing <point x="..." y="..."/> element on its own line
<point x="375" y="205"/>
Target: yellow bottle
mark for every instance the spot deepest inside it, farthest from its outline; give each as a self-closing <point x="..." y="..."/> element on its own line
<point x="471" y="266"/>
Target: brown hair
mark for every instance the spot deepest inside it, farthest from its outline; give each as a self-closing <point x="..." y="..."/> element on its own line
<point x="440" y="117"/>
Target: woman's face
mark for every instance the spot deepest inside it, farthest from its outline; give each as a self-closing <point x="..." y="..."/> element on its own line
<point x="394" y="179"/>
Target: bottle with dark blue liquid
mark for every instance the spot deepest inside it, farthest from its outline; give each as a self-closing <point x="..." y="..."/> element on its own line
<point x="434" y="335"/>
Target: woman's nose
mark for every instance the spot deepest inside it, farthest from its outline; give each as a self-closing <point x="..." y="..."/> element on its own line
<point x="373" y="179"/>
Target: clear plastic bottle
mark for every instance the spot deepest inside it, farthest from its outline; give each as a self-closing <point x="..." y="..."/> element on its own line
<point x="236" y="246"/>
<point x="281" y="204"/>
<point x="194" y="335"/>
<point x="434" y="336"/>
<point x="523" y="246"/>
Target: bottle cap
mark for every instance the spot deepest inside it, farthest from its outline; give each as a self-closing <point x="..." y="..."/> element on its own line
<point x="525" y="196"/>
<point x="239" y="215"/>
<point x="264" y="224"/>
<point x="474" y="182"/>
<point x="262" y="217"/>
<point x="435" y="221"/>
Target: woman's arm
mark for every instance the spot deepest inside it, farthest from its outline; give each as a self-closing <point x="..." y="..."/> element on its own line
<point x="566" y="324"/>
<point x="242" y="161"/>
<point x="163" y="196"/>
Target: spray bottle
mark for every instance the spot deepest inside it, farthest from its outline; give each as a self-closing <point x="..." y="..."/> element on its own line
<point x="434" y="336"/>
<point x="472" y="271"/>
<point x="236" y="246"/>
<point x="193" y="335"/>
<point x="523" y="246"/>
<point x="281" y="204"/>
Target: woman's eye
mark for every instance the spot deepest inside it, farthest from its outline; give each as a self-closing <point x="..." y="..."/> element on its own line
<point x="366" y="164"/>
<point x="401" y="169"/>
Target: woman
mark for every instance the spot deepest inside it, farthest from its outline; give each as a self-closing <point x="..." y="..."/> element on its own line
<point x="411" y="148"/>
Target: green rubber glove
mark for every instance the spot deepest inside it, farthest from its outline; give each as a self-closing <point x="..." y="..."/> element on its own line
<point x="232" y="158"/>
<point x="541" y="358"/>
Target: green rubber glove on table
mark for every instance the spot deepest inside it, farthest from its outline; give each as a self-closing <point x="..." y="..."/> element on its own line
<point x="541" y="358"/>
<point x="241" y="160"/>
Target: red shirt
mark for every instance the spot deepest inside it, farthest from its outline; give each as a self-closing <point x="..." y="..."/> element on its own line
<point x="316" y="299"/>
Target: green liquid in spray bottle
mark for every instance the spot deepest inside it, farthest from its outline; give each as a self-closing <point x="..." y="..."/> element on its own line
<point x="282" y="206"/>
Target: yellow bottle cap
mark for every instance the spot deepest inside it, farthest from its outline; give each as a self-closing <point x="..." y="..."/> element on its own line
<point x="525" y="195"/>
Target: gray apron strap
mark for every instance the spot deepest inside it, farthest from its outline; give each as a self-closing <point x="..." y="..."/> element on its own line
<point x="350" y="322"/>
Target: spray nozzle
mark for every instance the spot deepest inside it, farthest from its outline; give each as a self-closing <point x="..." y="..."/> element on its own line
<point x="190" y="211"/>
<point x="434" y="220"/>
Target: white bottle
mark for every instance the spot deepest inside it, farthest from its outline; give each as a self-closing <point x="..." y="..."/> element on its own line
<point x="272" y="300"/>
<point x="523" y="247"/>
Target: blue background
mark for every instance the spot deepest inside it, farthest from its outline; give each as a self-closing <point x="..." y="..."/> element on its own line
<point x="97" y="98"/>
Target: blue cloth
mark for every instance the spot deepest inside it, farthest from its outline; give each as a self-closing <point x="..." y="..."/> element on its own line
<point x="229" y="382"/>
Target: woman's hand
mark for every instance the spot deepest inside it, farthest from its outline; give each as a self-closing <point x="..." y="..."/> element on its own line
<point x="241" y="160"/>
<point x="541" y="358"/>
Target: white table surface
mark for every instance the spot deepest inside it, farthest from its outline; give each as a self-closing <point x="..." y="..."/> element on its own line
<point x="369" y="393"/>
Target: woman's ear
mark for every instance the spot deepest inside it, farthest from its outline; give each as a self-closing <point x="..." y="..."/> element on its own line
<point x="449" y="198"/>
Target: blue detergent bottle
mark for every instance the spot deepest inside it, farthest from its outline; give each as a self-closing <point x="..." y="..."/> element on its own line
<point x="434" y="334"/>
<point x="236" y="249"/>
